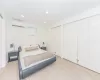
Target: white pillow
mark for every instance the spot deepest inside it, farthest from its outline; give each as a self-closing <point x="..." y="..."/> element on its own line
<point x="30" y="48"/>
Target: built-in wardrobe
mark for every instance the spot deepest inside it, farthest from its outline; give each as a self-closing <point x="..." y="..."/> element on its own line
<point x="79" y="42"/>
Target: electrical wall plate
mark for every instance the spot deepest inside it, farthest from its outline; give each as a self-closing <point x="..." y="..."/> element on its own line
<point x="11" y="45"/>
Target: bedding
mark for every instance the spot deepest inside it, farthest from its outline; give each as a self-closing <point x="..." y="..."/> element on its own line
<point x="33" y="60"/>
<point x="24" y="54"/>
<point x="30" y="47"/>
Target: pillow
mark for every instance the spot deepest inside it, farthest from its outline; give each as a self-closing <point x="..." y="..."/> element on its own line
<point x="31" y="48"/>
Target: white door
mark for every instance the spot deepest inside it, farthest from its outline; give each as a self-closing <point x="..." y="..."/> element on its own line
<point x="70" y="42"/>
<point x="94" y="25"/>
<point x="83" y="43"/>
<point x="0" y="42"/>
<point x="56" y="40"/>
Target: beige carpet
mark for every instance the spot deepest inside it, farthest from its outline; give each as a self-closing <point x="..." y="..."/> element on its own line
<point x="60" y="70"/>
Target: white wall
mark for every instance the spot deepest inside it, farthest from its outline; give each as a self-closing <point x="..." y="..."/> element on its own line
<point x="80" y="39"/>
<point x="2" y="42"/>
<point x="4" y="56"/>
<point x="20" y="36"/>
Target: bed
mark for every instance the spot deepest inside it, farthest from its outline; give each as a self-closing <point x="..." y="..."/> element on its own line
<point x="32" y="60"/>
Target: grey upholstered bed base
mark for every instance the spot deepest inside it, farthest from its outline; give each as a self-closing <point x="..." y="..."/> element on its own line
<point x="28" y="71"/>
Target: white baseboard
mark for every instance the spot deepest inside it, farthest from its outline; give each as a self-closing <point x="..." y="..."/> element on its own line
<point x="0" y="66"/>
<point x="4" y="65"/>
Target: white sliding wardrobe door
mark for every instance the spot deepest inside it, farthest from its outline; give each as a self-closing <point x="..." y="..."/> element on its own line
<point x="70" y="42"/>
<point x="56" y="40"/>
<point x="83" y="43"/>
<point x="95" y="42"/>
<point x="0" y="42"/>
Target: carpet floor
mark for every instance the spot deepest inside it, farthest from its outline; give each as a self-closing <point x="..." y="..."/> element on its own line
<point x="60" y="70"/>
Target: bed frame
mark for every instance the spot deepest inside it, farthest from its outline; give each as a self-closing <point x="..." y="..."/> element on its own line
<point x="30" y="70"/>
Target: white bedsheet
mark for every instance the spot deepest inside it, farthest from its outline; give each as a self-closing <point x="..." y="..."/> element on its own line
<point x="28" y="53"/>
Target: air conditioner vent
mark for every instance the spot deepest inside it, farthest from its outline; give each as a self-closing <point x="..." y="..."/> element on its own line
<point x="18" y="26"/>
